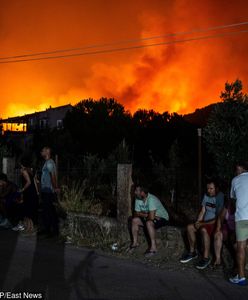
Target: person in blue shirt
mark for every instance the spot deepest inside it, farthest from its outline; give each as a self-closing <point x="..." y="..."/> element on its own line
<point x="212" y="204"/>
<point x="49" y="189"/>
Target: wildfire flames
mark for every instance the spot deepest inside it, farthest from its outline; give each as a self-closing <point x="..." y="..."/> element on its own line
<point x="178" y="77"/>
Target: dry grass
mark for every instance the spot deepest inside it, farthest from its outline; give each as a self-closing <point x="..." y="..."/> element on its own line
<point x="72" y="197"/>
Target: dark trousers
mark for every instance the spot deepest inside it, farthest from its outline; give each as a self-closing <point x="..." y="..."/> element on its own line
<point x="49" y="214"/>
<point x="14" y="213"/>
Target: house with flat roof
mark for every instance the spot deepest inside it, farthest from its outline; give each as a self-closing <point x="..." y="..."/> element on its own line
<point x="19" y="131"/>
<point x="51" y="118"/>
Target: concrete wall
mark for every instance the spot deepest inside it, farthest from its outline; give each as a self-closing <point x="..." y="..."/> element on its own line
<point x="8" y="168"/>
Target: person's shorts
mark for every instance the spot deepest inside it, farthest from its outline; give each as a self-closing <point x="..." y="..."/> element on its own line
<point x="158" y="223"/>
<point x="210" y="228"/>
<point x="241" y="228"/>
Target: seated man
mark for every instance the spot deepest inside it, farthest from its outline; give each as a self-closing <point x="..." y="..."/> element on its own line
<point x="149" y="212"/>
<point x="212" y="204"/>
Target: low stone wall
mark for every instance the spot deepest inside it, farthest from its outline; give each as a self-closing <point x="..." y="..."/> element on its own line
<point x="97" y="231"/>
<point x="103" y="232"/>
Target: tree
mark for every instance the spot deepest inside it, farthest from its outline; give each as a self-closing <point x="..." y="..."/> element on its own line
<point x="97" y="127"/>
<point x="226" y="133"/>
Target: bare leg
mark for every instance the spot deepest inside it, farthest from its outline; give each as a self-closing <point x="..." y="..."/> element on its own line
<point x="28" y="224"/>
<point x="218" y="241"/>
<point x="206" y="242"/>
<point x="31" y="225"/>
<point x="191" y="234"/>
<point x="25" y="223"/>
<point x="241" y="258"/>
<point x="152" y="234"/>
<point x="136" y="223"/>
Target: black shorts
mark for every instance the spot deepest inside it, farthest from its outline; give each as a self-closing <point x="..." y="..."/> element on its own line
<point x="158" y="223"/>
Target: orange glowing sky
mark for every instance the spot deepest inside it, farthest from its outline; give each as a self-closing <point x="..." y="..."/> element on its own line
<point x="178" y="77"/>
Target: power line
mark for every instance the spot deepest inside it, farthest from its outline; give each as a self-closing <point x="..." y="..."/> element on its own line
<point x="127" y="48"/>
<point x="127" y="41"/>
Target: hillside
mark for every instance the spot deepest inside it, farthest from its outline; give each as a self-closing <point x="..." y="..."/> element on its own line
<point x="200" y="116"/>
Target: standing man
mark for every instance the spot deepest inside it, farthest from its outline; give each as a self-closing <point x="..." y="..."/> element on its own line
<point x="149" y="213"/>
<point x="239" y="192"/>
<point x="49" y="189"/>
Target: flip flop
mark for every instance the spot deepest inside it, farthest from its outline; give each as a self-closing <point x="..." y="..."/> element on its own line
<point x="217" y="266"/>
<point x="150" y="253"/>
<point x="132" y="248"/>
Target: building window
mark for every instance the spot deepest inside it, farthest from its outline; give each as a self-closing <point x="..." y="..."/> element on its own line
<point x="43" y="124"/>
<point x="59" y="124"/>
<point x="31" y="123"/>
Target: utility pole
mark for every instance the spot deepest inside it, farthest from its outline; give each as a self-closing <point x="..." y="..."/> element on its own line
<point x="199" y="131"/>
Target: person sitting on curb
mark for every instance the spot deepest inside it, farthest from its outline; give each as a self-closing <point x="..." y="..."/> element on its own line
<point x="225" y="230"/>
<point x="212" y="204"/>
<point x="11" y="211"/>
<point x="149" y="213"/>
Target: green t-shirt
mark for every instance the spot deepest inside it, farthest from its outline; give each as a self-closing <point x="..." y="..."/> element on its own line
<point x="150" y="204"/>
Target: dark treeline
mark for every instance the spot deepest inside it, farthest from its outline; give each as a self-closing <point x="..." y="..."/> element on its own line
<point x="162" y="147"/>
<point x="100" y="127"/>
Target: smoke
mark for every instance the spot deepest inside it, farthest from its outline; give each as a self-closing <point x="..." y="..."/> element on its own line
<point x="177" y="77"/>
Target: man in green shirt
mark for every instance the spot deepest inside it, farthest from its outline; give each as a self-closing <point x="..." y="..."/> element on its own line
<point x="149" y="213"/>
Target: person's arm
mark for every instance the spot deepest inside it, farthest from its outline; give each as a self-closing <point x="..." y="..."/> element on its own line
<point x="151" y="215"/>
<point x="200" y="221"/>
<point x="140" y="214"/>
<point x="220" y="219"/>
<point x="137" y="210"/>
<point x="201" y="214"/>
<point x="27" y="179"/>
<point x="232" y="191"/>
<point x="54" y="180"/>
<point x="152" y="208"/>
<point x="36" y="184"/>
<point x="53" y="175"/>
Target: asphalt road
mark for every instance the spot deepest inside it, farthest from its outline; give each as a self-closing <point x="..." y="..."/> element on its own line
<point x="59" y="271"/>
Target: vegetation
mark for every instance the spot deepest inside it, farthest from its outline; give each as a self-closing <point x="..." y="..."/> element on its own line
<point x="162" y="147"/>
<point x="226" y="133"/>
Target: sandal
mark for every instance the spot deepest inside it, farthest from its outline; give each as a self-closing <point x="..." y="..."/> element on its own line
<point x="150" y="253"/>
<point x="132" y="248"/>
<point x="217" y="266"/>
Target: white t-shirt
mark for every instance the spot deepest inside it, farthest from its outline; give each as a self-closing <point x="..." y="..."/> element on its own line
<point x="239" y="191"/>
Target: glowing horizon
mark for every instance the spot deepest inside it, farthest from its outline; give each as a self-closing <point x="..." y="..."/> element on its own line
<point x="175" y="78"/>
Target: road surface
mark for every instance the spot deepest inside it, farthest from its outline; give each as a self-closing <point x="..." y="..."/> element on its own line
<point x="58" y="271"/>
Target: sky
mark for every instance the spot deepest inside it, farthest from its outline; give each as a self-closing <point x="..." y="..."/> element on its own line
<point x="177" y="77"/>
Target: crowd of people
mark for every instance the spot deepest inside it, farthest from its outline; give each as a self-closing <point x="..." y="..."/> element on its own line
<point x="222" y="218"/>
<point x="19" y="206"/>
